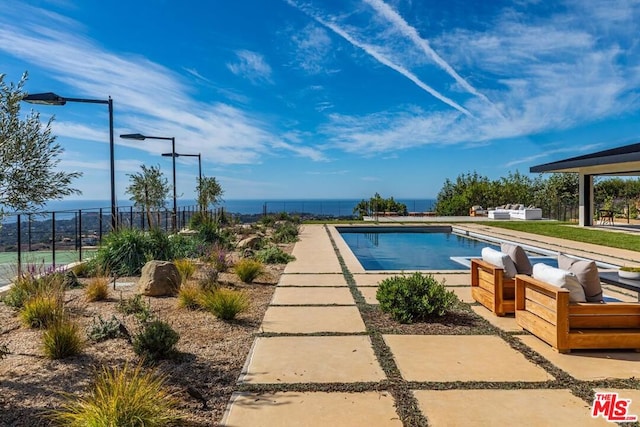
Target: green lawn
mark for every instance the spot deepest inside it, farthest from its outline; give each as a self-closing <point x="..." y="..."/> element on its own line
<point x="569" y="231"/>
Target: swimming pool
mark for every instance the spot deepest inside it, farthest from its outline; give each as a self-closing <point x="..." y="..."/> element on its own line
<point x="411" y="248"/>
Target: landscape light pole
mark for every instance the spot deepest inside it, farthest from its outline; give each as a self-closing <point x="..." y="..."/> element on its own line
<point x="140" y="137"/>
<point x="50" y="98"/>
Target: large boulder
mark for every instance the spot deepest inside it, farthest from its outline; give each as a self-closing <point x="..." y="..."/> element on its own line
<point x="159" y="278"/>
<point x="252" y="242"/>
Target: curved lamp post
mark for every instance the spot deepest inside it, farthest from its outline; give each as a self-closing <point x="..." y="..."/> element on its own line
<point x="50" y="98"/>
<point x="140" y="137"/>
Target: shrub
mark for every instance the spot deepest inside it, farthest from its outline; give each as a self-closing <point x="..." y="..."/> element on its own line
<point x="414" y="298"/>
<point x="121" y="397"/>
<point x="208" y="279"/>
<point x="82" y="270"/>
<point x="225" y="304"/>
<point x="97" y="289"/>
<point x="41" y="310"/>
<point x="218" y="257"/>
<point x="285" y="232"/>
<point x="273" y="255"/>
<point x="135" y="306"/>
<point x="155" y="341"/>
<point x="248" y="269"/>
<point x="123" y="252"/>
<point x="186" y="246"/>
<point x="102" y="330"/>
<point x="31" y="284"/>
<point x="160" y="246"/>
<point x="62" y="339"/>
<point x="189" y="297"/>
<point x="186" y="268"/>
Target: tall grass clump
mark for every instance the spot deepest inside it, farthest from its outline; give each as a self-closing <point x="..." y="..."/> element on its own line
<point x="225" y="304"/>
<point x="273" y="255"/>
<point x="156" y="341"/>
<point x="121" y="397"/>
<point x="41" y="310"/>
<point x="189" y="297"/>
<point x="248" y="270"/>
<point x="186" y="268"/>
<point x="123" y="252"/>
<point x="97" y="289"/>
<point x="160" y="246"/>
<point x="30" y="284"/>
<point x="414" y="298"/>
<point x="62" y="339"/>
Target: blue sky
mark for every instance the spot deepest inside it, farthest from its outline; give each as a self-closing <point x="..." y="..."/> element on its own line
<point x="328" y="99"/>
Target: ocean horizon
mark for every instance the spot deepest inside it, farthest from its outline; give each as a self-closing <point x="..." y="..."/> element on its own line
<point x="328" y="207"/>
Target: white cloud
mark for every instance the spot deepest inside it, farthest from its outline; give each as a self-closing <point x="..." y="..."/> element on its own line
<point x="313" y="50"/>
<point x="147" y="97"/>
<point x="252" y="66"/>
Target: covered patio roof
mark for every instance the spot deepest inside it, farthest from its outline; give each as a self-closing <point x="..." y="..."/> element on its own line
<point x="619" y="161"/>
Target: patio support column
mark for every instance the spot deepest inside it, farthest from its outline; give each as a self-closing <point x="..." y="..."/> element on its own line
<point x="585" y="211"/>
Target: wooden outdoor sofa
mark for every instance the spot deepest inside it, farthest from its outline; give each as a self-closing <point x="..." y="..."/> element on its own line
<point x="491" y="288"/>
<point x="545" y="311"/>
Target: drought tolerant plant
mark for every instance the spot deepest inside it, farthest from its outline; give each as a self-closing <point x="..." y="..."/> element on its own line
<point x="225" y="304"/>
<point x="41" y="310"/>
<point x="31" y="283"/>
<point x="4" y="351"/>
<point x="217" y="255"/>
<point x="186" y="246"/>
<point x="102" y="330"/>
<point x="156" y="341"/>
<point x="121" y="397"/>
<point x="97" y="289"/>
<point x="62" y="339"/>
<point x="273" y="255"/>
<point x="248" y="269"/>
<point x="123" y="252"/>
<point x="186" y="268"/>
<point x="189" y="297"/>
<point x="208" y="279"/>
<point x="285" y="232"/>
<point x="135" y="306"/>
<point x="160" y="246"/>
<point x="414" y="298"/>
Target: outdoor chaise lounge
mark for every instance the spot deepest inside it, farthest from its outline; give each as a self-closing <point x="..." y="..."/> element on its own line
<point x="546" y="311"/>
<point x="492" y="277"/>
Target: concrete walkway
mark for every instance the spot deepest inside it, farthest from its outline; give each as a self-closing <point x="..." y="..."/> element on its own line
<point x="315" y="361"/>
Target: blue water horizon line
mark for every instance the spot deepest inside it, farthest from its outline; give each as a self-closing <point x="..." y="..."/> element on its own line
<point x="318" y="206"/>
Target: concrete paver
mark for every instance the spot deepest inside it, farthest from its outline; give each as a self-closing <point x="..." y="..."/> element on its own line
<point x="319" y="359"/>
<point x="506" y="323"/>
<point x="505" y="408"/>
<point x="312" y="280"/>
<point x="314" y="252"/>
<point x="314" y="409"/>
<point x="461" y="358"/>
<point x="371" y="279"/>
<point x="309" y="320"/>
<point x="309" y="295"/>
<point x="589" y="365"/>
<point x="369" y="294"/>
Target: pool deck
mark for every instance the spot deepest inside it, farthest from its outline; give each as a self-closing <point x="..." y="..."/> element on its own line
<point x="316" y="363"/>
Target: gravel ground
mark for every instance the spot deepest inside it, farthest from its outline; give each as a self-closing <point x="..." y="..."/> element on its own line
<point x="211" y="354"/>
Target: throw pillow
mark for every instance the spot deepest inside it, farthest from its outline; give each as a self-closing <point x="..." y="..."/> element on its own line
<point x="519" y="258"/>
<point x="500" y="260"/>
<point x="587" y="274"/>
<point x="560" y="278"/>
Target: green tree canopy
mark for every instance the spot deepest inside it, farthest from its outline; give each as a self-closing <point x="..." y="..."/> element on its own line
<point x="149" y="189"/>
<point x="209" y="192"/>
<point x="29" y="155"/>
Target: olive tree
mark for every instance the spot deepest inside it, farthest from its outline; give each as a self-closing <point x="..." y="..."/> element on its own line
<point x="209" y="192"/>
<point x="149" y="190"/>
<point x="29" y="155"/>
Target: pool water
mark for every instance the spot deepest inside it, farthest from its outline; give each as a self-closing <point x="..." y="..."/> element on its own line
<point x="423" y="250"/>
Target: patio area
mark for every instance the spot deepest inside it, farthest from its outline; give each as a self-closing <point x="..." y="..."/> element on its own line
<point x="320" y="360"/>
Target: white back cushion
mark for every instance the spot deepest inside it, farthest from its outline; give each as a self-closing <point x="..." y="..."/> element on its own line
<point x="560" y="278"/>
<point x="500" y="260"/>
